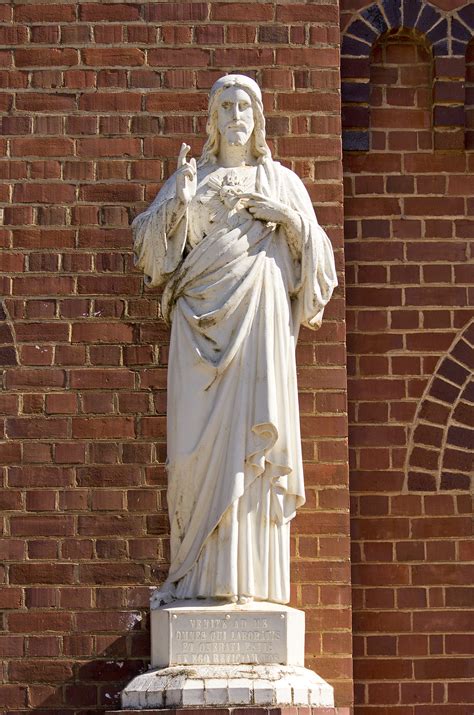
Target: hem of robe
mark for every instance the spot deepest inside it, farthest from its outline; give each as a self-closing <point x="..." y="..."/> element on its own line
<point x="247" y="555"/>
<point x="258" y="462"/>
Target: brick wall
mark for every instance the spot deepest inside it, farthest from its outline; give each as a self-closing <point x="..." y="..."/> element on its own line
<point x="97" y="98"/>
<point x="410" y="340"/>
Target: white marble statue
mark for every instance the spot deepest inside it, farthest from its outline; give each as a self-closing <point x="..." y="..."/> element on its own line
<point x="236" y="244"/>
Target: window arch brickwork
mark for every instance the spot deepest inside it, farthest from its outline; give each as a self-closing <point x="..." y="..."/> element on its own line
<point x="439" y="457"/>
<point x="448" y="35"/>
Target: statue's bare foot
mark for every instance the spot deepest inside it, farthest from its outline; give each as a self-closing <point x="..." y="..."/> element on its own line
<point x="240" y="599"/>
<point x="245" y="599"/>
<point x="161" y="598"/>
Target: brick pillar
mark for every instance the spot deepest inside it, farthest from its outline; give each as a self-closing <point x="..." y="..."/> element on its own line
<point x="410" y="345"/>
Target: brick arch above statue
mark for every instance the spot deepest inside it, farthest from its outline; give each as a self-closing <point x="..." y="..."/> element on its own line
<point x="447" y="35"/>
<point x="440" y="453"/>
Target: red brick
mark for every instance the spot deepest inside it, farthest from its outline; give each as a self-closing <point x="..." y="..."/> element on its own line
<point x="381" y="645"/>
<point x="110" y="192"/>
<point x="111" y="57"/>
<point x="178" y="58"/>
<point x="41" y="193"/>
<point x="35" y="378"/>
<point x="109" y="525"/>
<point x="176" y="35"/>
<point x="105" y="427"/>
<point x="316" y="146"/>
<point x="110" y="102"/>
<point x="93" y="378"/>
<point x="373" y="574"/>
<point x="301" y="12"/>
<point x="13" y="696"/>
<point x="42" y="146"/>
<point x="105" y="354"/>
<point x="102" y="332"/>
<point x="36" y="670"/>
<point x="13" y="35"/>
<point x="107" y="12"/>
<point x="441" y="668"/>
<point x="209" y="34"/>
<point x="428" y="206"/>
<point x="152" y="427"/>
<point x="435" y="296"/>
<point x="236" y="12"/>
<point x="163" y="12"/>
<point x="383" y="693"/>
<point x="52" y="525"/>
<point x="381" y="669"/>
<point x="242" y="56"/>
<point x="378" y="206"/>
<point x="10" y="452"/>
<point x="32" y="428"/>
<point x="461" y="185"/>
<point x="111" y="573"/>
<point x="459" y="643"/>
<point x="70" y="354"/>
<point x="307" y="57"/>
<point x="45" y="13"/>
<point x="46" y="57"/>
<point x="40" y="476"/>
<point x="42" y="573"/>
<point x="33" y="238"/>
<point x="97" y="403"/>
<point x="433" y="163"/>
<point x="61" y="403"/>
<point x="108" y="147"/>
<point x="44" y="646"/>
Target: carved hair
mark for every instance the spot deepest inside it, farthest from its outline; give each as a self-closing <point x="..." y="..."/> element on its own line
<point x="260" y="147"/>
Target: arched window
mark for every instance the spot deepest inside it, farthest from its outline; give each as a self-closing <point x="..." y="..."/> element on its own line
<point x="401" y="93"/>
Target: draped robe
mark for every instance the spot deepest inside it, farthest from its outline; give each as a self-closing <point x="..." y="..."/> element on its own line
<point x="236" y="297"/>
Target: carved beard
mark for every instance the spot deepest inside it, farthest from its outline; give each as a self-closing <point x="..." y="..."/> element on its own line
<point x="238" y="137"/>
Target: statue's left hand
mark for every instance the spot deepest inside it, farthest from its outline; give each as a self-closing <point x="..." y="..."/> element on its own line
<point x="267" y="209"/>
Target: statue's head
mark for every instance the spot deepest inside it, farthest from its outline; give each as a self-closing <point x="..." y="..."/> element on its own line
<point x="236" y="116"/>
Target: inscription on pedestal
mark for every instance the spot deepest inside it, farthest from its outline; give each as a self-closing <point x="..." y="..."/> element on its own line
<point x="211" y="634"/>
<point x="228" y="640"/>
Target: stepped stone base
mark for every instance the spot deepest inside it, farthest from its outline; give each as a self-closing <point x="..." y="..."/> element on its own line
<point x="209" y="655"/>
<point x="227" y="687"/>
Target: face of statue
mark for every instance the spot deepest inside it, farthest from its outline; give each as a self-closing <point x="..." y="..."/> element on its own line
<point x="235" y="116"/>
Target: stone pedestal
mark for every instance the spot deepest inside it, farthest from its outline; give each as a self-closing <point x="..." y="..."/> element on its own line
<point x="206" y="654"/>
<point x="204" y="633"/>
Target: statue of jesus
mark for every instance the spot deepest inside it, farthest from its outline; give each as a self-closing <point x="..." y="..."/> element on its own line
<point x="236" y="244"/>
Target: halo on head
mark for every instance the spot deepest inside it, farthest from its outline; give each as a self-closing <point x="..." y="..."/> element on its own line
<point x="211" y="147"/>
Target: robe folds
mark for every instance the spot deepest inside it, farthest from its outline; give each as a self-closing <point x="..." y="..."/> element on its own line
<point x="235" y="296"/>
